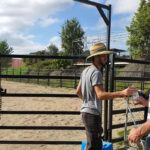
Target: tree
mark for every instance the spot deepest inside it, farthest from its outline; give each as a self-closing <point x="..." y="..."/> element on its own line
<point x="5" y="49"/>
<point x="31" y="61"/>
<point x="71" y="36"/>
<point x="52" y="50"/>
<point x="139" y="32"/>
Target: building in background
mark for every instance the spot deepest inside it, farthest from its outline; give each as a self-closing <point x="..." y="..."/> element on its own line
<point x="17" y="63"/>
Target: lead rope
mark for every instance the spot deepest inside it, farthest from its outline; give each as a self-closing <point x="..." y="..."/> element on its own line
<point x="141" y="144"/>
<point x="126" y="142"/>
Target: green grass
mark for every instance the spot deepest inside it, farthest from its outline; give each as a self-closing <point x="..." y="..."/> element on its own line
<point x="15" y="71"/>
<point x="121" y="134"/>
<point x="23" y="70"/>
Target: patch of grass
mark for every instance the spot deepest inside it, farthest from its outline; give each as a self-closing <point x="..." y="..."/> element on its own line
<point x="121" y="134"/>
<point x="15" y="71"/>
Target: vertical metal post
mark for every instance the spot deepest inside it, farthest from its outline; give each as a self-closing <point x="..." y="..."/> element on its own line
<point x="0" y="88"/>
<point x="75" y="82"/>
<point x="111" y="101"/>
<point x="20" y="74"/>
<point x="61" y="78"/>
<point x="107" y="75"/>
<point x="48" y="82"/>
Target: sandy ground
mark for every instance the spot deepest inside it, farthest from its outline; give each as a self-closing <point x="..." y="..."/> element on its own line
<point x="45" y="104"/>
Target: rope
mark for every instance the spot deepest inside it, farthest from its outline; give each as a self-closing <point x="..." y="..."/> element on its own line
<point x="141" y="144"/>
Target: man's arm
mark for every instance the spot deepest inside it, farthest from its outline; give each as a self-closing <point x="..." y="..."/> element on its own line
<point x="136" y="134"/>
<point x="102" y="95"/>
<point x="78" y="91"/>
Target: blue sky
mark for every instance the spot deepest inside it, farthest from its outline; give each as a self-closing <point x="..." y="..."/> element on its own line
<point x="32" y="25"/>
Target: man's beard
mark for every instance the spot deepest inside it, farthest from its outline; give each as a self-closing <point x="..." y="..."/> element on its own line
<point x="103" y="65"/>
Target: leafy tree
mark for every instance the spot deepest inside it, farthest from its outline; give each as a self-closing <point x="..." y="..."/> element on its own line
<point x="70" y="35"/>
<point x="139" y="32"/>
<point x="31" y="61"/>
<point x="5" y="49"/>
<point x="52" y="50"/>
<point x="47" y="63"/>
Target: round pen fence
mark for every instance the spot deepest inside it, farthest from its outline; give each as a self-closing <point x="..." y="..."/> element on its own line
<point x="107" y="20"/>
<point x="61" y="82"/>
<point x="109" y="126"/>
<point x="114" y="78"/>
<point x="3" y="93"/>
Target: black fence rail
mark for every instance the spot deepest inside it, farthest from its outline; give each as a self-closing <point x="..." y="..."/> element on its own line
<point x="43" y="76"/>
<point x="3" y="93"/>
<point x="125" y="79"/>
<point x="113" y="81"/>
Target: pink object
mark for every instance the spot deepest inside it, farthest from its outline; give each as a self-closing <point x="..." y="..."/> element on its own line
<point x="17" y="63"/>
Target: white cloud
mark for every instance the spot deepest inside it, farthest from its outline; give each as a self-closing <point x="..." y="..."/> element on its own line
<point x="121" y="23"/>
<point x="47" y="21"/>
<point x="16" y="16"/>
<point x="90" y="6"/>
<point x="123" y="6"/>
<point x="21" y="44"/>
<point x="100" y="26"/>
<point x="56" y="41"/>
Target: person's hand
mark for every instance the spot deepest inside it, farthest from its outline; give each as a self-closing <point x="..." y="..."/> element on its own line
<point x="142" y="101"/>
<point x="129" y="91"/>
<point x="134" y="136"/>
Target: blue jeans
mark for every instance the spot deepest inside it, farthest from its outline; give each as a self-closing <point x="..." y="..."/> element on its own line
<point x="147" y="144"/>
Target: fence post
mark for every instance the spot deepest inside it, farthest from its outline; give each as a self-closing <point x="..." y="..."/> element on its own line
<point x="48" y="82"/>
<point x="28" y="73"/>
<point x="20" y="74"/>
<point x="142" y="82"/>
<point x="13" y="73"/>
<point x="0" y="89"/>
<point x="60" y="78"/>
<point x="75" y="83"/>
<point x="38" y="73"/>
<point x="142" y="88"/>
<point x="111" y="101"/>
<point x="6" y="72"/>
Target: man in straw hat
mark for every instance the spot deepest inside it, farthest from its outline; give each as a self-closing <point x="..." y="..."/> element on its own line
<point x="90" y="90"/>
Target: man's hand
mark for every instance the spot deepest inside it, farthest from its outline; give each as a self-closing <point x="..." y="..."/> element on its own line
<point x="129" y="91"/>
<point x="142" y="101"/>
<point x="134" y="136"/>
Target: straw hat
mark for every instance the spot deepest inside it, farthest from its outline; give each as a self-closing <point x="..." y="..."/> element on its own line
<point x="98" y="49"/>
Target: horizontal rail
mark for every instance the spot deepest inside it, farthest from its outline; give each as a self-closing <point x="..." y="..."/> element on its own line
<point x="117" y="139"/>
<point x="116" y="126"/>
<point x="131" y="60"/>
<point x="124" y="110"/>
<point x="39" y="77"/>
<point x="93" y="3"/>
<point x="40" y="128"/>
<point x="37" y="95"/>
<point x="132" y="78"/>
<point x="44" y="56"/>
<point x="42" y="142"/>
<point x="40" y="112"/>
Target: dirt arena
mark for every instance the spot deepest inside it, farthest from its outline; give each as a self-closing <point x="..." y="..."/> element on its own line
<point x="45" y="104"/>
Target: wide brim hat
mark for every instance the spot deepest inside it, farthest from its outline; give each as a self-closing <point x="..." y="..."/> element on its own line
<point x="98" y="49"/>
